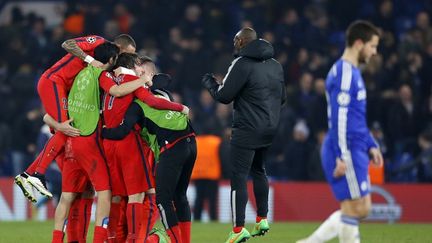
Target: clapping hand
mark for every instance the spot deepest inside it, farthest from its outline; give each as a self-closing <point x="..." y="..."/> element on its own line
<point x="209" y="81"/>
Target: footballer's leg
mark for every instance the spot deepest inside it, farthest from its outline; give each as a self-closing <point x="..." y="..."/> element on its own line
<point x="180" y="199"/>
<point x="168" y="172"/>
<point x="54" y="100"/>
<point x="149" y="214"/>
<point x="261" y="191"/>
<point x="241" y="159"/>
<point x="134" y="166"/>
<point x="61" y="213"/>
<point x="26" y="188"/>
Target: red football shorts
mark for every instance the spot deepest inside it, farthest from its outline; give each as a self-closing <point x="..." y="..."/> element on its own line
<point x="84" y="162"/>
<point x="128" y="162"/>
<point x="54" y="98"/>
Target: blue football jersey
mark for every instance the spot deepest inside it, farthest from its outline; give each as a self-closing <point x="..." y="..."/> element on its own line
<point x="346" y="100"/>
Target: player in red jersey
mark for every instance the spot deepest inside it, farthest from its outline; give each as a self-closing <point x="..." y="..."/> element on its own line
<point x="84" y="156"/>
<point x="130" y="170"/>
<point x="53" y="87"/>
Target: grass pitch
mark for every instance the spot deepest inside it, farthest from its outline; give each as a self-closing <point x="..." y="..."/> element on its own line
<point x="40" y="232"/>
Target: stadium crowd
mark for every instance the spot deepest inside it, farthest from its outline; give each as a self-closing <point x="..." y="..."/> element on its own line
<point x="190" y="38"/>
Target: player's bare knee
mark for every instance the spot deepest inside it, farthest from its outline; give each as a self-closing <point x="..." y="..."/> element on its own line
<point x="67" y="197"/>
<point x="363" y="210"/>
<point x="150" y="191"/>
<point x="104" y="195"/>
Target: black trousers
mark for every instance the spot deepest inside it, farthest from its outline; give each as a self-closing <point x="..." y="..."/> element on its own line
<point x="206" y="190"/>
<point x="173" y="174"/>
<point x="244" y="162"/>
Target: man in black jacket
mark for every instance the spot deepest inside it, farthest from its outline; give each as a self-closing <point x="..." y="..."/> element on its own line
<point x="255" y="83"/>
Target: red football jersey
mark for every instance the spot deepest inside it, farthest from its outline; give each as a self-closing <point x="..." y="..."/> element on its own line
<point x="64" y="71"/>
<point x="114" y="108"/>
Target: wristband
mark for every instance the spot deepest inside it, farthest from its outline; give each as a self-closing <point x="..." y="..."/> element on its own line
<point x="88" y="59"/>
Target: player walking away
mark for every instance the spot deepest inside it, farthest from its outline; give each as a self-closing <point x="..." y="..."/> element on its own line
<point x="130" y="170"/>
<point x="176" y="151"/>
<point x="347" y="145"/>
<point x="53" y="87"/>
<point x="255" y="83"/>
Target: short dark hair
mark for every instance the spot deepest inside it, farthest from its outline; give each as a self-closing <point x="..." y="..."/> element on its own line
<point x="360" y="29"/>
<point x="105" y="51"/>
<point x="127" y="60"/>
<point x="124" y="40"/>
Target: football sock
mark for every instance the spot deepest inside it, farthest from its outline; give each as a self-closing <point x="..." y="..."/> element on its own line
<point x="174" y="234"/>
<point x="134" y="215"/>
<point x="328" y="229"/>
<point x="72" y="225"/>
<point x="113" y="222"/>
<point x="237" y="229"/>
<point x="100" y="234"/>
<point x="150" y="214"/>
<point x="349" y="230"/>
<point x="58" y="236"/>
<point x="85" y="207"/>
<point x="185" y="228"/>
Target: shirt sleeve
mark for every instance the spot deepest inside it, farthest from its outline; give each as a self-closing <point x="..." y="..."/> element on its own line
<point x="147" y="97"/>
<point x="340" y="98"/>
<point x="132" y="116"/>
<point x="232" y="83"/>
<point x="106" y="81"/>
<point x="371" y="143"/>
<point x="89" y="43"/>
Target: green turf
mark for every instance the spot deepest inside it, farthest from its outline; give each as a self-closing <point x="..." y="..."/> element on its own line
<point x="40" y="232"/>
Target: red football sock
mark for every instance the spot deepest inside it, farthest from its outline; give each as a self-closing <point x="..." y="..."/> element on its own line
<point x="175" y="234"/>
<point x="100" y="234"/>
<point x="152" y="239"/>
<point x="134" y="215"/>
<point x="52" y="148"/>
<point x="72" y="224"/>
<point x="150" y="214"/>
<point x="58" y="236"/>
<point x="85" y="206"/>
<point x="121" y="230"/>
<point x="258" y="219"/>
<point x="185" y="228"/>
<point x="113" y="222"/>
<point x="237" y="229"/>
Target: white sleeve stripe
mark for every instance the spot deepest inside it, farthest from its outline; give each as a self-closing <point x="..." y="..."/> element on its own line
<point x="346" y="76"/>
<point x="346" y="154"/>
<point x="229" y="70"/>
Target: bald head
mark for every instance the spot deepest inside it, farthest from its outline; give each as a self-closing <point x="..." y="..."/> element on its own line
<point x="244" y="37"/>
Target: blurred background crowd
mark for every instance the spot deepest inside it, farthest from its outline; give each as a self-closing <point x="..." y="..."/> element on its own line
<point x="190" y="38"/>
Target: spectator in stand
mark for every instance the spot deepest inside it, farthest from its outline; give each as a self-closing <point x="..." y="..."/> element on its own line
<point x="206" y="175"/>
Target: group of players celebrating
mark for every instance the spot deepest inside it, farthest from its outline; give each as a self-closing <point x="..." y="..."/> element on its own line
<point x="103" y="89"/>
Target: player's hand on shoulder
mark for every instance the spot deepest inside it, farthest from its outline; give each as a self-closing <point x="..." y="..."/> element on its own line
<point x="67" y="129"/>
<point x="185" y="110"/>
<point x="340" y="168"/>
<point x="376" y="156"/>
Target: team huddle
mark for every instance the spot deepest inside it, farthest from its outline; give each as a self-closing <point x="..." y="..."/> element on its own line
<point x="102" y="89"/>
